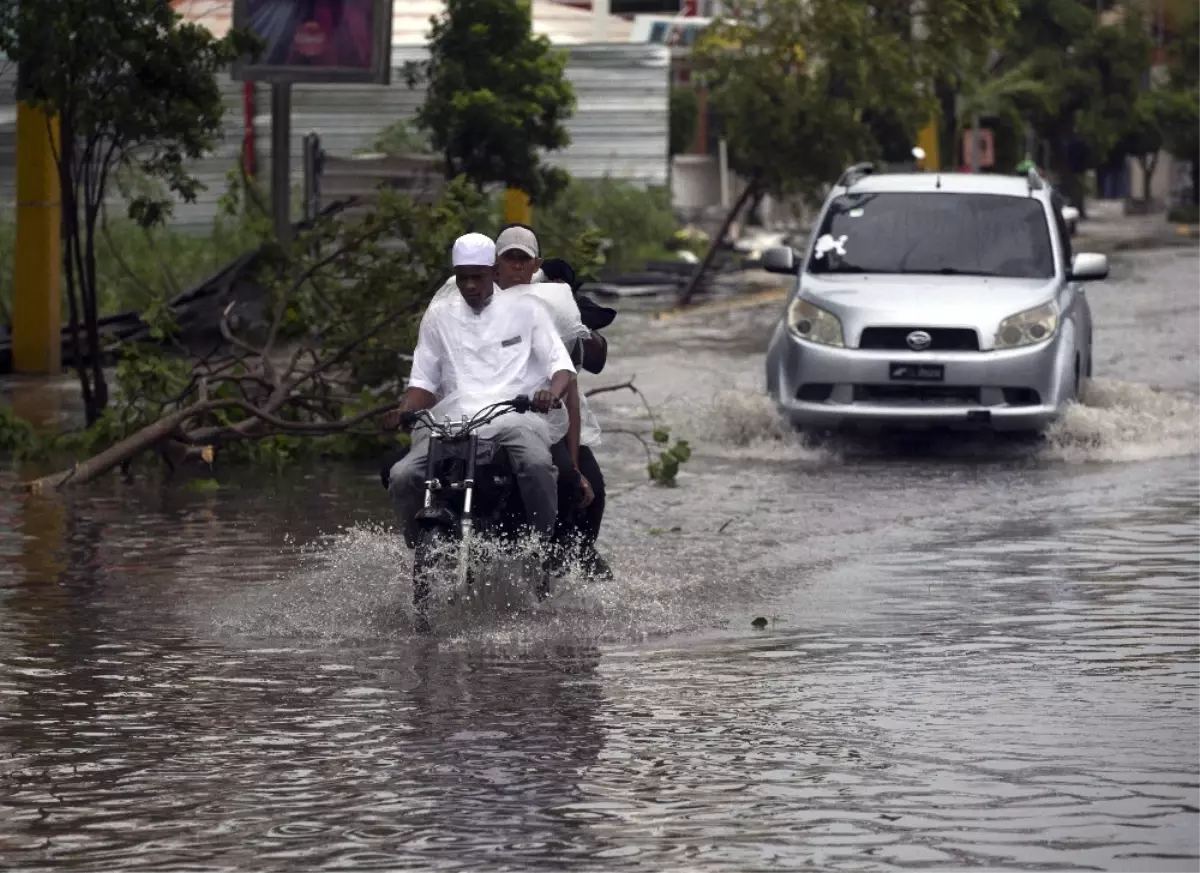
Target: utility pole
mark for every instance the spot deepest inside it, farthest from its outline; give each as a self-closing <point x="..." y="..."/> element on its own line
<point x="281" y="160"/>
<point x="37" y="260"/>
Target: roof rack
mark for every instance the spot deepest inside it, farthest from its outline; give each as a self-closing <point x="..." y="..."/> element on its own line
<point x="853" y="174"/>
<point x="1034" y="179"/>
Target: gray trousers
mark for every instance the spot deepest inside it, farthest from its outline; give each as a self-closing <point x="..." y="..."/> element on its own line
<point x="537" y="477"/>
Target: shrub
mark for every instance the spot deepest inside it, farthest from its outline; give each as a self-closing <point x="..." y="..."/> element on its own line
<point x="1187" y="213"/>
<point x="136" y="267"/>
<point x="638" y="224"/>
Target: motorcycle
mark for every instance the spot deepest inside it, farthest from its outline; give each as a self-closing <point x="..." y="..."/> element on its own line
<point x="471" y="494"/>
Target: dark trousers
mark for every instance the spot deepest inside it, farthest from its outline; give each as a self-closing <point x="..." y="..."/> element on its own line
<point x="568" y="488"/>
<point x="587" y="521"/>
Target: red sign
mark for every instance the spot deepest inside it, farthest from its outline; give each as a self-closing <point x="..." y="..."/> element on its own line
<point x="689" y="8"/>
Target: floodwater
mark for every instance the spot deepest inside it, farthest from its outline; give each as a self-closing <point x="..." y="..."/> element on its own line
<point x="976" y="654"/>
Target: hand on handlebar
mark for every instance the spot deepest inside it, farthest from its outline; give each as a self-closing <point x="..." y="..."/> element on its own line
<point x="544" y="401"/>
<point x="399" y="419"/>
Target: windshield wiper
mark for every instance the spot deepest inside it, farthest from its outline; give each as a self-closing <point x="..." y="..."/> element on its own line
<point x="953" y="271"/>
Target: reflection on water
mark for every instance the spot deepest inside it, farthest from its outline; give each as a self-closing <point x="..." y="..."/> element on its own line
<point x="181" y="688"/>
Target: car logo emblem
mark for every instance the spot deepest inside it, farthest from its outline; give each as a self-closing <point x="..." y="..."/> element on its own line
<point x="919" y="340"/>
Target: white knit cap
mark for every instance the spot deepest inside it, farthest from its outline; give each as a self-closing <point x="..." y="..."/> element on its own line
<point x="474" y="250"/>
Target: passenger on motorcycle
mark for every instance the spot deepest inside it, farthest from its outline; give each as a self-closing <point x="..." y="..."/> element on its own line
<point x="518" y="253"/>
<point x="477" y="348"/>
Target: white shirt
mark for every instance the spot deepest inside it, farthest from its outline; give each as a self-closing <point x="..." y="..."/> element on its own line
<point x="470" y="360"/>
<point x="564" y="314"/>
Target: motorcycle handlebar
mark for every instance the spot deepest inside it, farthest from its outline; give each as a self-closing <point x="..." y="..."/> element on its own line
<point x="520" y="404"/>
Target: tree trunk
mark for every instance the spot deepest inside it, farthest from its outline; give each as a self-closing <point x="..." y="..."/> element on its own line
<point x="92" y="313"/>
<point x="975" y="156"/>
<point x="69" y="224"/>
<point x="117" y="454"/>
<point x="752" y="216"/>
<point x="694" y="282"/>
<point x="948" y="130"/>
<point x="1149" y="165"/>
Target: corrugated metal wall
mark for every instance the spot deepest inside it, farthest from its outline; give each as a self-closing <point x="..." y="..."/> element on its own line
<point x="619" y="128"/>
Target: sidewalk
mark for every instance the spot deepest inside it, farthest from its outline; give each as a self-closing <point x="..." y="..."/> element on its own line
<point x="1107" y="230"/>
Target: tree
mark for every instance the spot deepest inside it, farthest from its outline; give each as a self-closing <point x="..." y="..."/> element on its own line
<point x="1181" y="107"/>
<point x="1118" y="57"/>
<point x="496" y="95"/>
<point x="989" y="90"/>
<point x="1145" y="137"/>
<point x="400" y="138"/>
<point x="1093" y="72"/>
<point x="794" y="83"/>
<point x="343" y="306"/>
<point x="958" y="41"/>
<point x="133" y="88"/>
<point x="684" y="114"/>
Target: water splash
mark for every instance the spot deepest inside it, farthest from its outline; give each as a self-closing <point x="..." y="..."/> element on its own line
<point x="356" y="582"/>
<point x="1116" y="422"/>
<point x="355" y="585"/>
<point x="1124" y="421"/>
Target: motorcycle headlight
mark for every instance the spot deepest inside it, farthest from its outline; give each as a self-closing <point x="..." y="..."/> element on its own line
<point x="1027" y="328"/>
<point x="814" y="324"/>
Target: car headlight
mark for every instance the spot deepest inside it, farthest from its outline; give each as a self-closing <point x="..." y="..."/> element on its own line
<point x="814" y="324"/>
<point x="1027" y="328"/>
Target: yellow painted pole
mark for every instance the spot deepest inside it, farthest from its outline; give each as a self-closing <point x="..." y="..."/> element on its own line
<point x="37" y="292"/>
<point x="928" y="140"/>
<point x="517" y="207"/>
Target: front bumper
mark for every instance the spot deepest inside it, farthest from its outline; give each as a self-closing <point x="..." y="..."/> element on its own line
<point x="832" y="388"/>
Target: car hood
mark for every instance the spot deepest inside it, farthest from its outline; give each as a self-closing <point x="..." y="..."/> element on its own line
<point x="916" y="301"/>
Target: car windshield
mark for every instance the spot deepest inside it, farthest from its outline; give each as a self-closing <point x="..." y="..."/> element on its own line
<point x="947" y="234"/>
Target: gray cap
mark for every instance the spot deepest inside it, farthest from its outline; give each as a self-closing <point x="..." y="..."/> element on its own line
<point x="520" y="238"/>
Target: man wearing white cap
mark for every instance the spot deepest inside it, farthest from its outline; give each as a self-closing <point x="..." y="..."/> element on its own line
<point x="475" y="349"/>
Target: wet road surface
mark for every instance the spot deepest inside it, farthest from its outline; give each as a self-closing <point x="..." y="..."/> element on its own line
<point x="977" y="655"/>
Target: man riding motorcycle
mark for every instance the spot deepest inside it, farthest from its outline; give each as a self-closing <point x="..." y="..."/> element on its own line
<point x="474" y="349"/>
<point x="518" y="263"/>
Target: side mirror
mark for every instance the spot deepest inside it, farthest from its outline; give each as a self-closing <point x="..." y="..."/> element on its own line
<point x="1088" y="267"/>
<point x="779" y="259"/>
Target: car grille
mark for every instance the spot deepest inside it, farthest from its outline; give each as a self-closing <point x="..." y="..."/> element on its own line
<point x="933" y="395"/>
<point x="944" y="339"/>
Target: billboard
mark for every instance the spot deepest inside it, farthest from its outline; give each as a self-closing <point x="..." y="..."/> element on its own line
<point x="317" y="41"/>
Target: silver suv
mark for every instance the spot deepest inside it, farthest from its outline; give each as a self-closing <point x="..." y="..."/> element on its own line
<point x="933" y="300"/>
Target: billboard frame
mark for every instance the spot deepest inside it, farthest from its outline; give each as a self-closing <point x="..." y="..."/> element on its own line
<point x="379" y="73"/>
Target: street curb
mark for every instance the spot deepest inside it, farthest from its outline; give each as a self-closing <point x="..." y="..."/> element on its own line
<point x="1184" y="237"/>
<point x="744" y="301"/>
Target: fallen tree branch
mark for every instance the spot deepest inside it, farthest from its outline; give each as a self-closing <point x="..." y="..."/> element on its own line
<point x="604" y="389"/>
<point x="626" y="386"/>
<point x="168" y="427"/>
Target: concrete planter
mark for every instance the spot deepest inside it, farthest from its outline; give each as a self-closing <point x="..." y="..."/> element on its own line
<point x="1142" y="207"/>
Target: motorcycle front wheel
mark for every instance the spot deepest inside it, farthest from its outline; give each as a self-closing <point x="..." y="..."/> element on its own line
<point x="433" y="557"/>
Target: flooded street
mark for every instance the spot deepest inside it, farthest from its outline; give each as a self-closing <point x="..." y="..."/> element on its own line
<point x="977" y="654"/>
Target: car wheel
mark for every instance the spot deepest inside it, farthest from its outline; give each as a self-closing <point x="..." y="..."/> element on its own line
<point x="809" y="439"/>
<point x="1024" y="437"/>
